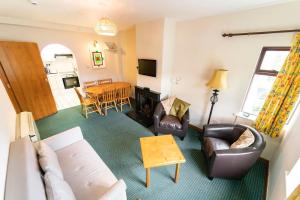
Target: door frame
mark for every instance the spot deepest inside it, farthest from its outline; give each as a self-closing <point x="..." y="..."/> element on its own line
<point x="9" y="90"/>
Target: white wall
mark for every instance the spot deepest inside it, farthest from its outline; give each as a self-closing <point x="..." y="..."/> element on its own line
<point x="78" y="42"/>
<point x="168" y="56"/>
<point x="7" y="133"/>
<point x="149" y="45"/>
<point x="283" y="161"/>
<point x="155" y="40"/>
<point x="200" y="48"/>
<point x="127" y="39"/>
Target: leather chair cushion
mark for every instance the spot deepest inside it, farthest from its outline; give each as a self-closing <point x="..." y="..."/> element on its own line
<point x="170" y="122"/>
<point x="212" y="144"/>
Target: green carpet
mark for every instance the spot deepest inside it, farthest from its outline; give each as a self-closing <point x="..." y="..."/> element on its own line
<point x="116" y="140"/>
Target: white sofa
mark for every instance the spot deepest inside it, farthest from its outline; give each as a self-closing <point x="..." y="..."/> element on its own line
<point x="83" y="169"/>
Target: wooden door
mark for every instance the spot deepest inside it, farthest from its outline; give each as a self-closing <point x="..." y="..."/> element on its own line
<point x="26" y="79"/>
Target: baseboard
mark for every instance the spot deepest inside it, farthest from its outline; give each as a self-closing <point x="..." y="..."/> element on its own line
<point x="196" y="128"/>
<point x="267" y="162"/>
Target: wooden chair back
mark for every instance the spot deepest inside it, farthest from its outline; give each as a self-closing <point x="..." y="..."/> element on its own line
<point x="109" y="95"/>
<point x="124" y="92"/>
<point x="104" y="81"/>
<point x="79" y="94"/>
<point x="88" y="84"/>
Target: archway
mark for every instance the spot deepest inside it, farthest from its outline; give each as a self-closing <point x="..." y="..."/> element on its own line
<point x="60" y="65"/>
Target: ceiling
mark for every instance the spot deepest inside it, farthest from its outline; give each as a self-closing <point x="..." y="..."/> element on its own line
<point x="125" y="13"/>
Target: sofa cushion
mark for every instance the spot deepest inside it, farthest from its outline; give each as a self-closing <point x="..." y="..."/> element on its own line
<point x="48" y="159"/>
<point x="212" y="144"/>
<point x="57" y="188"/>
<point x="85" y="171"/>
<point x="179" y="108"/>
<point x="245" y="140"/>
<point x="170" y="122"/>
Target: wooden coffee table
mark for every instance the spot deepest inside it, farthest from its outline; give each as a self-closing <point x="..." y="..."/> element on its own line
<point x="160" y="151"/>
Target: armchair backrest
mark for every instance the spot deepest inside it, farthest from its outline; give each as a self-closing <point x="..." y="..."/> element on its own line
<point x="228" y="132"/>
<point x="231" y="132"/>
<point x="259" y="142"/>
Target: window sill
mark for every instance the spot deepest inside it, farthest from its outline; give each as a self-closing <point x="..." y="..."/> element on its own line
<point x="245" y="116"/>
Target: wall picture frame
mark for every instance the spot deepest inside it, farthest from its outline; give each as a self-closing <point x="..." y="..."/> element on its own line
<point x="97" y="59"/>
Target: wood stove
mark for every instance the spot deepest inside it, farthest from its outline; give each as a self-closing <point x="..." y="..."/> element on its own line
<point x="145" y="103"/>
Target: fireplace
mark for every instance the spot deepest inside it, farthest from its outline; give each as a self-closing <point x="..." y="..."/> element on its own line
<point x="145" y="103"/>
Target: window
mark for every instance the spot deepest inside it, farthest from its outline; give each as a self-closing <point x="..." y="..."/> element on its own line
<point x="269" y="63"/>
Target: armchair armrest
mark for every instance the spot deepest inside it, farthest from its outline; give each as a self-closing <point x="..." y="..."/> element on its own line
<point x="233" y="163"/>
<point x="64" y="139"/>
<point x="186" y="120"/>
<point x="158" y="114"/>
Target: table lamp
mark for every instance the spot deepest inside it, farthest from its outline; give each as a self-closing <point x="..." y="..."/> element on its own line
<point x="216" y="83"/>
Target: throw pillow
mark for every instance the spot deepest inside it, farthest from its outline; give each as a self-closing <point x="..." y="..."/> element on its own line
<point x="48" y="159"/>
<point x="167" y="104"/>
<point x="57" y="189"/>
<point x="179" y="108"/>
<point x="245" y="140"/>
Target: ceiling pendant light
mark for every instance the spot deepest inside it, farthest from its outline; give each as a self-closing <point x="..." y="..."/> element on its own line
<point x="106" y="27"/>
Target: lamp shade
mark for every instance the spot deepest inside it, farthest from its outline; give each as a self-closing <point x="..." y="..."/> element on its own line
<point x="218" y="80"/>
<point x="106" y="27"/>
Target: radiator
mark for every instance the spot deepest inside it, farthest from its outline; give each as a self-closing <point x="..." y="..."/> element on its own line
<point x="26" y="127"/>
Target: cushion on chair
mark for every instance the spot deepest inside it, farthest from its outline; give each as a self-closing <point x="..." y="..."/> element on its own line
<point x="245" y="140"/>
<point x="212" y="144"/>
<point x="179" y="108"/>
<point x="170" y="122"/>
<point x="167" y="104"/>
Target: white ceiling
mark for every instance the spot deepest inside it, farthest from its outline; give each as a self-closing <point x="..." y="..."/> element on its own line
<point x="124" y="12"/>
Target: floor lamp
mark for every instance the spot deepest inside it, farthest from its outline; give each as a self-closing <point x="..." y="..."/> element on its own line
<point x="216" y="83"/>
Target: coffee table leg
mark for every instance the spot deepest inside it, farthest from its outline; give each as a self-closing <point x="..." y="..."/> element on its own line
<point x="177" y="172"/>
<point x="147" y="177"/>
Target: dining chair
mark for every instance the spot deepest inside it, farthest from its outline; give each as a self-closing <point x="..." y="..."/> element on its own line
<point x="88" y="104"/>
<point x="103" y="81"/>
<point x="124" y="96"/>
<point x="109" y="99"/>
<point x="88" y="84"/>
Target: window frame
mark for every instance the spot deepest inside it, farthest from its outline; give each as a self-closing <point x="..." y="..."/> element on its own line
<point x="261" y="58"/>
<point x="264" y="72"/>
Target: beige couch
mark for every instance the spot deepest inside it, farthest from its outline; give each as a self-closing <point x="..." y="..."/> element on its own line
<point x="82" y="168"/>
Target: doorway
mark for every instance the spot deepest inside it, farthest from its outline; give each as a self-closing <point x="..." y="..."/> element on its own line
<point x="60" y="64"/>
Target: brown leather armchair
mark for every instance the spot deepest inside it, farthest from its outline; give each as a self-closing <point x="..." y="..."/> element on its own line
<point x="168" y="124"/>
<point x="224" y="162"/>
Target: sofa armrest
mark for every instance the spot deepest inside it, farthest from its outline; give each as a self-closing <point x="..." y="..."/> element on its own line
<point x="116" y="192"/>
<point x="64" y="139"/>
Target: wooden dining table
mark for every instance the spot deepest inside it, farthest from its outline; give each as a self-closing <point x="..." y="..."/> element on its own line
<point x="99" y="89"/>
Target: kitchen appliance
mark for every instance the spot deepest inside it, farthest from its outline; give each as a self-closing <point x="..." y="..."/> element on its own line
<point x="71" y="82"/>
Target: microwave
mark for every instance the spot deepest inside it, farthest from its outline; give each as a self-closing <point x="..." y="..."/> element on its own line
<point x="71" y="82"/>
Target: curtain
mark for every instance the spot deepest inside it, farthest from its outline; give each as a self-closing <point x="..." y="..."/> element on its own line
<point x="283" y="96"/>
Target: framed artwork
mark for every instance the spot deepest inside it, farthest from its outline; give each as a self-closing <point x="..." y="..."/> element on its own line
<point x="97" y="59"/>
